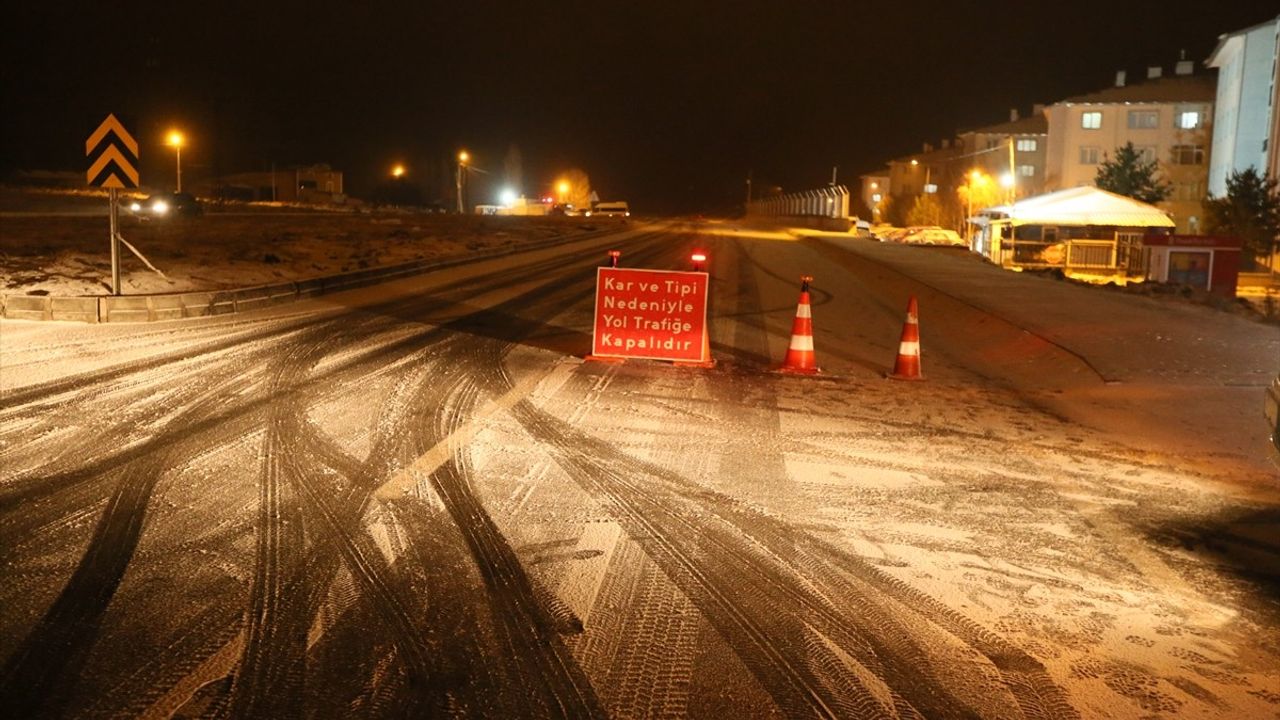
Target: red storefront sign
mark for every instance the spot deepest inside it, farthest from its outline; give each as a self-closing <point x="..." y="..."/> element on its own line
<point x="651" y="314"/>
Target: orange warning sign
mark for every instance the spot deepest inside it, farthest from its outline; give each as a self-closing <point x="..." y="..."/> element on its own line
<point x="650" y="314"/>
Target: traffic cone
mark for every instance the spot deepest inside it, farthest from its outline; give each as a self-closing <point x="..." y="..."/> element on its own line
<point x="907" y="366"/>
<point x="800" y="358"/>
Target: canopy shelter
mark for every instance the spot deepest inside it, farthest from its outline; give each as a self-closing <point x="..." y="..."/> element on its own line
<point x="1081" y="229"/>
<point x="1080" y="206"/>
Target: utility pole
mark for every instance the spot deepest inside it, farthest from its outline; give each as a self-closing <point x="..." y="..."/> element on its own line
<point x="1013" y="177"/>
<point x="747" y="208"/>
<point x="833" y="175"/>
<point x="463" y="156"/>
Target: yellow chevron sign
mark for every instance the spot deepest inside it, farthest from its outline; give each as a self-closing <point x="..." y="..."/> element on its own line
<point x="113" y="156"/>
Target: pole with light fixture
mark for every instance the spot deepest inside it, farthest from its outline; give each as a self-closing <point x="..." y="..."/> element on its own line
<point x="175" y="141"/>
<point x="463" y="157"/>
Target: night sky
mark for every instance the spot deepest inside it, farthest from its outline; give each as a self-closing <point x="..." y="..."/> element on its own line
<point x="665" y="104"/>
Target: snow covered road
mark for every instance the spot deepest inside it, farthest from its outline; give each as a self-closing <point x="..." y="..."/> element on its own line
<point x="415" y="499"/>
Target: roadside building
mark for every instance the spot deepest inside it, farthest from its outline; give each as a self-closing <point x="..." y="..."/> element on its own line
<point x="1082" y="230"/>
<point x="316" y="184"/>
<point x="1167" y="118"/>
<point x="1246" y="125"/>
<point x="987" y="150"/>
<point x="1198" y="261"/>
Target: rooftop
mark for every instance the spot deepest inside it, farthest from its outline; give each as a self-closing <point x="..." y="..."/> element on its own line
<point x="1173" y="88"/>
<point x="1036" y="124"/>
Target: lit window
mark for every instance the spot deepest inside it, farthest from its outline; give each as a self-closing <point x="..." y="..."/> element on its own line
<point x="1027" y="170"/>
<point x="1091" y="120"/>
<point x="1189" y="120"/>
<point x="1144" y="119"/>
<point x="1089" y="154"/>
<point x="1027" y="145"/>
<point x="1188" y="154"/>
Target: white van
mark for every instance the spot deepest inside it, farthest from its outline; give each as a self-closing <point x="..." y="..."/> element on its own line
<point x="617" y="208"/>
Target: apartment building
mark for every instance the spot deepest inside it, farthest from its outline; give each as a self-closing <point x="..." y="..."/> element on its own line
<point x="1246" y="125"/>
<point x="1168" y="118"/>
<point x="987" y="149"/>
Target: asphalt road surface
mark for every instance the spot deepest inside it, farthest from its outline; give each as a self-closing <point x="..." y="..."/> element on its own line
<point x="417" y="500"/>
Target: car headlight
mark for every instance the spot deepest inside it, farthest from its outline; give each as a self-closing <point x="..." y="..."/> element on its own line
<point x="135" y="207"/>
<point x="160" y="207"/>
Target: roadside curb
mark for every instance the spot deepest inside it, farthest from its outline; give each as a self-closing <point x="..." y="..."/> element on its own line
<point x="201" y="303"/>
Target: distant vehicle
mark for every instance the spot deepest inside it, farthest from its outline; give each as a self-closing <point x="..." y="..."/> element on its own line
<point x="862" y="229"/>
<point x="163" y="205"/>
<point x="616" y="208"/>
<point x="932" y="236"/>
<point x="894" y="234"/>
<point x="1271" y="411"/>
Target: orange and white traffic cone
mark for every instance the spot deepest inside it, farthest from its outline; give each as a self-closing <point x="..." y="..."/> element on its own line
<point x="907" y="366"/>
<point x="800" y="358"/>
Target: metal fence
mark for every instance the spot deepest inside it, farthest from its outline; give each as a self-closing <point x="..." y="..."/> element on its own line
<point x="829" y="202"/>
<point x="1124" y="253"/>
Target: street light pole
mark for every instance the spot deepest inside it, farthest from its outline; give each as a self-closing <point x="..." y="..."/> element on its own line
<point x="462" y="164"/>
<point x="1013" y="175"/>
<point x="175" y="140"/>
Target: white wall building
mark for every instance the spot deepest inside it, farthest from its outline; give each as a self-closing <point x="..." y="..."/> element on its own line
<point x="1245" y="122"/>
<point x="1167" y="118"/>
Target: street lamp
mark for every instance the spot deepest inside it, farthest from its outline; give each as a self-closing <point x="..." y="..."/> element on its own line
<point x="975" y="178"/>
<point x="563" y="189"/>
<point x="397" y="171"/>
<point x="175" y="140"/>
<point x="463" y="157"/>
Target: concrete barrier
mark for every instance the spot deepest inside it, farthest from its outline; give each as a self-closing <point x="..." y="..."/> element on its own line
<point x="812" y="222"/>
<point x="76" y="309"/>
<point x="166" y="307"/>
<point x="28" y="307"/>
<point x="310" y="288"/>
<point x="124" y="308"/>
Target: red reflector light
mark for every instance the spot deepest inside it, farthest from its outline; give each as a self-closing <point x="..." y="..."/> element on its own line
<point x="699" y="257"/>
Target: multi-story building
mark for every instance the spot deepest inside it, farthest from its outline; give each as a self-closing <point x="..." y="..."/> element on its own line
<point x="987" y="149"/>
<point x="1167" y="118"/>
<point x="1246" y="125"/>
<point x="932" y="171"/>
<point x="943" y="171"/>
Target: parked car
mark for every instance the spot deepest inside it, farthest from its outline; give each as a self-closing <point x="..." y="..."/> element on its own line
<point x="163" y="205"/>
<point x="896" y="234"/>
<point x="933" y="236"/>
<point x="862" y="229"/>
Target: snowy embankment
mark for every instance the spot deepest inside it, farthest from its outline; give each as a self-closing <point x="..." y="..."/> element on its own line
<point x="63" y="248"/>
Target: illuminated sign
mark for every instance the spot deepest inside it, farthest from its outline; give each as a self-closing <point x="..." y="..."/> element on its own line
<point x="650" y="314"/>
